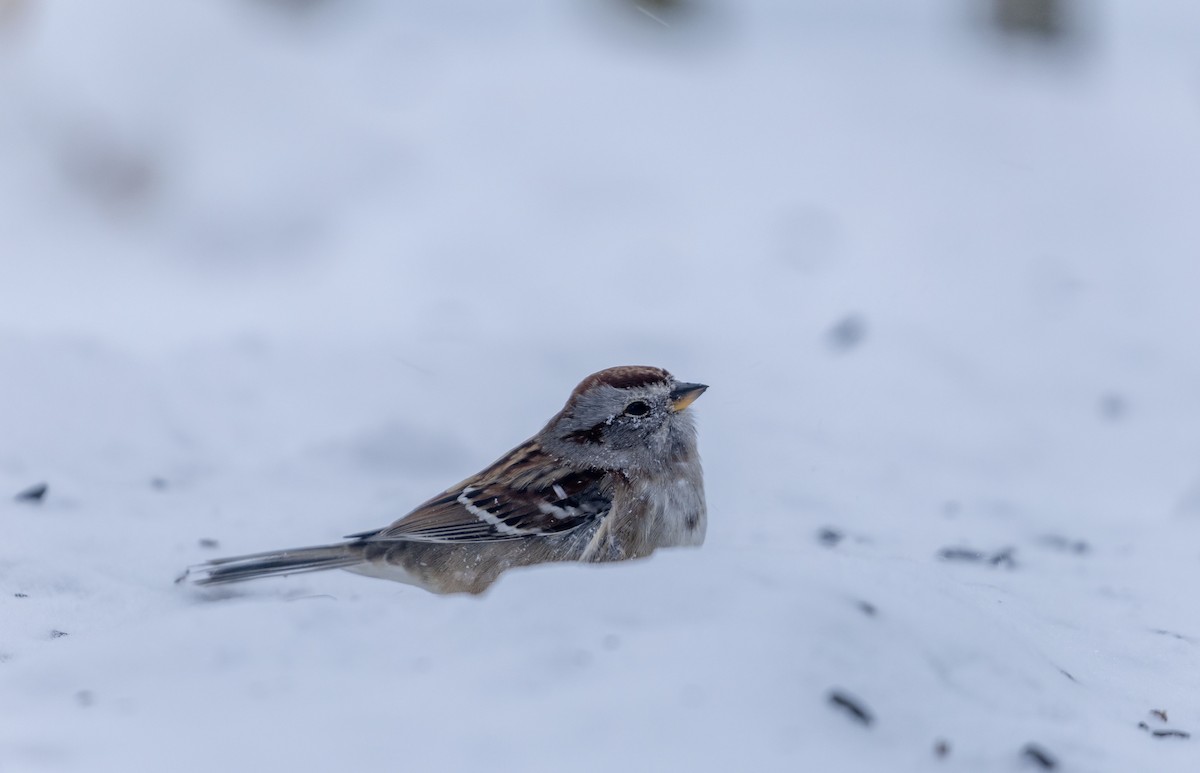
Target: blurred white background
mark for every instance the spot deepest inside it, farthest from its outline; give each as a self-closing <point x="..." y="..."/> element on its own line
<point x="274" y="271"/>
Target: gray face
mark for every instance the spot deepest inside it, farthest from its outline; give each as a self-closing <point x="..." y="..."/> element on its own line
<point x="616" y="422"/>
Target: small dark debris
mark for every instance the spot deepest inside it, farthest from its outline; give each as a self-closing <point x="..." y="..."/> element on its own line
<point x="1045" y="20"/>
<point x="1143" y="726"/>
<point x="867" y="608"/>
<point x="960" y="554"/>
<point x="660" y="6"/>
<point x="851" y="706"/>
<point x="830" y="537"/>
<point x="1068" y="675"/>
<point x="1171" y="734"/>
<point x="941" y="749"/>
<point x="20" y="595"/>
<point x="1003" y="558"/>
<point x="109" y="170"/>
<point x="159" y="484"/>
<point x="1059" y="542"/>
<point x="1042" y="758"/>
<point x="35" y="493"/>
<point x="1159" y="714"/>
<point x="1113" y="406"/>
<point x="297" y="7"/>
<point x="1173" y="635"/>
<point x="667" y="13"/>
<point x="85" y="698"/>
<point x="847" y="333"/>
<point x="209" y="543"/>
<point x="57" y="634"/>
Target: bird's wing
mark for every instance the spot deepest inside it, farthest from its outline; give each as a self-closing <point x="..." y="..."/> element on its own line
<point x="525" y="494"/>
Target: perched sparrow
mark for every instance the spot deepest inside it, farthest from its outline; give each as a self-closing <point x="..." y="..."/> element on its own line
<point x="614" y="475"/>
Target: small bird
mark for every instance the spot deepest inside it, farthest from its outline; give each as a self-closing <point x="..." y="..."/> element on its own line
<point x="612" y="476"/>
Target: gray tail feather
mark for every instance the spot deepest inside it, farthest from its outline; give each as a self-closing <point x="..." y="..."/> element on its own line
<point x="273" y="563"/>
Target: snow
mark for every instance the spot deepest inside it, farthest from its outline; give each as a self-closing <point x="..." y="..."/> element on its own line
<point x="275" y="272"/>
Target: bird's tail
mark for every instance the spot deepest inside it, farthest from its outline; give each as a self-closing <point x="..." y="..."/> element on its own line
<point x="276" y="562"/>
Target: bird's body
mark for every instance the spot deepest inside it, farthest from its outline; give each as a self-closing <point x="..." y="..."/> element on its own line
<point x="613" y="476"/>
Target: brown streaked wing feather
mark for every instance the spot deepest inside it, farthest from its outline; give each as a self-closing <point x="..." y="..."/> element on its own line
<point x="524" y="494"/>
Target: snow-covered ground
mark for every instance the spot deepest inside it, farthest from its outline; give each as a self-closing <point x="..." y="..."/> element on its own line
<point x="273" y="272"/>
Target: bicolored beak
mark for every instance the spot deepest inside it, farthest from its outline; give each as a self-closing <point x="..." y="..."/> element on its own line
<point x="684" y="395"/>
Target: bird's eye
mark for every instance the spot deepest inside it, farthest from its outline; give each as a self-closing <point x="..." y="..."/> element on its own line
<point x="637" y="408"/>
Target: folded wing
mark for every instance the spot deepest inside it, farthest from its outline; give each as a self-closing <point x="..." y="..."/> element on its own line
<point x="519" y="497"/>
